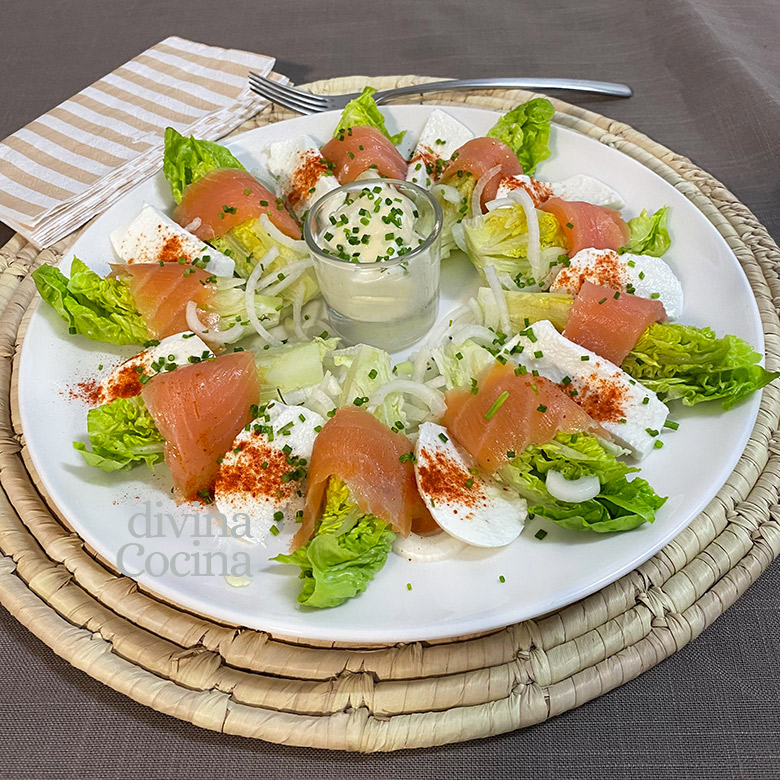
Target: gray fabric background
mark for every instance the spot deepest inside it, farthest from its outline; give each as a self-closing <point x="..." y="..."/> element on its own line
<point x="706" y="74"/>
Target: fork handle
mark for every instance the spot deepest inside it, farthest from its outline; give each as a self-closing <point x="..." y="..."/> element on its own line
<point x="570" y="85"/>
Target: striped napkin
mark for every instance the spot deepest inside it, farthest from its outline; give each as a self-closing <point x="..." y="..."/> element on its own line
<point x="79" y="158"/>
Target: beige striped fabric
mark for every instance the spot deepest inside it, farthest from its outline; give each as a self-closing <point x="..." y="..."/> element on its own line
<point x="75" y="161"/>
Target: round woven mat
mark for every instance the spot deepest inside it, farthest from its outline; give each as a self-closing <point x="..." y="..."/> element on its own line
<point x="246" y="682"/>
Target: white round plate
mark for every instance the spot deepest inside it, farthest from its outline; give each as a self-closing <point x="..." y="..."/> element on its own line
<point x="133" y="514"/>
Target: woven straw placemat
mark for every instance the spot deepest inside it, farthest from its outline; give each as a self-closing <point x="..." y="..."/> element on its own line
<point x="246" y="682"/>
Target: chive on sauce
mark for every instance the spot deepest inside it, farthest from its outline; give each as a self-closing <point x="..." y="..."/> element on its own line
<point x="374" y="224"/>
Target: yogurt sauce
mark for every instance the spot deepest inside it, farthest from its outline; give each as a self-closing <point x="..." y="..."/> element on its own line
<point x="374" y="224"/>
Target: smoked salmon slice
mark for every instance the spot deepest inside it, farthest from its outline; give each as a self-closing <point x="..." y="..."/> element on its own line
<point x="363" y="148"/>
<point x="508" y="413"/>
<point x="610" y="323"/>
<point x="586" y="225"/>
<point x="162" y="291"/>
<point x="476" y="157"/>
<point x="199" y="409"/>
<point x="226" y="197"/>
<point x="374" y="462"/>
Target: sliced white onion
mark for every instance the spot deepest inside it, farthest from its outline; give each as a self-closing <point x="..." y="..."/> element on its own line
<point x="249" y="297"/>
<point x="291" y="274"/>
<point x="448" y="193"/>
<point x="476" y="311"/>
<point x="297" y="397"/>
<point x="498" y="294"/>
<point x="297" y="245"/>
<point x="211" y="335"/>
<point x="459" y="236"/>
<point x="499" y="203"/>
<point x="437" y="382"/>
<point x="420" y="366"/>
<point x="297" y="319"/>
<point x="574" y="491"/>
<point x="427" y="549"/>
<point x="507" y="282"/>
<point x="433" y="399"/>
<point x="194" y="225"/>
<point x="477" y="333"/>
<point x="534" y="234"/>
<point x="319" y="401"/>
<point x="476" y="196"/>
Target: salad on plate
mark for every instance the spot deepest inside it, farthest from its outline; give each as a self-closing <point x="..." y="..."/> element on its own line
<point x="538" y="397"/>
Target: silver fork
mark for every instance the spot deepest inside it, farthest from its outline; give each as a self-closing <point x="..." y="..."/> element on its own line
<point x="308" y="103"/>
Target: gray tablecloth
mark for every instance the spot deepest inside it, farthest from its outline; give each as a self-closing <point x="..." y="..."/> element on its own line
<point x="706" y="75"/>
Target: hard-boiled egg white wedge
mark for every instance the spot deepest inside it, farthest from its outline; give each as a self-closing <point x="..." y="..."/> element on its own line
<point x="440" y="137"/>
<point x="127" y="378"/>
<point x="471" y="507"/>
<point x="260" y="480"/>
<point x="152" y="237"/>
<point x="576" y="187"/>
<point x="295" y="164"/>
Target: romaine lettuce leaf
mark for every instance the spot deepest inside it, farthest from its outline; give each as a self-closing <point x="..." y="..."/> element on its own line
<point x="526" y="129"/>
<point x="460" y="363"/>
<point x="694" y="365"/>
<point x="620" y="506"/>
<point x="122" y="435"/>
<point x="100" y="309"/>
<point x="348" y="548"/>
<point x="248" y="242"/>
<point x="365" y="369"/>
<point x="186" y="160"/>
<point x="500" y="238"/>
<point x="229" y="302"/>
<point x="363" y="110"/>
<point x="291" y="366"/>
<point x="454" y="213"/>
<point x="649" y="235"/>
<point x="526" y="308"/>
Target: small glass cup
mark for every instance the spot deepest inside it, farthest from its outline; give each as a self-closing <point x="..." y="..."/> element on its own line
<point x="387" y="303"/>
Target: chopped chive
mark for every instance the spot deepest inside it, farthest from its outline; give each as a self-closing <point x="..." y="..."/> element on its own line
<point x="497" y="404"/>
<point x="657" y="444"/>
<point x="541" y="408"/>
<point x="652" y="431"/>
<point x="584" y="357"/>
<point x="372" y="373"/>
<point x="443" y="438"/>
<point x="470" y="482"/>
<point x="501" y="578"/>
<point x="540" y="534"/>
<point x="671" y="424"/>
<point x="646" y="400"/>
<point x="408" y="585"/>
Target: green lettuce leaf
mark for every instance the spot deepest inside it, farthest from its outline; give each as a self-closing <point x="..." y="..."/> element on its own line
<point x="526" y="308"/>
<point x="122" y="435"/>
<point x="363" y="369"/>
<point x="649" y="235"/>
<point x="100" y="309"/>
<point x="363" y="110"/>
<point x="460" y="363"/>
<point x="291" y="366"/>
<point x="348" y="548"/>
<point x="454" y="213"/>
<point x="621" y="505"/>
<point x="500" y="238"/>
<point x="186" y="160"/>
<point x="694" y="365"/>
<point x="526" y="129"/>
<point x="248" y="243"/>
